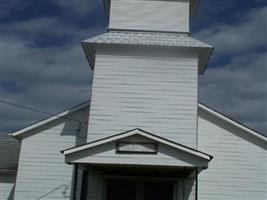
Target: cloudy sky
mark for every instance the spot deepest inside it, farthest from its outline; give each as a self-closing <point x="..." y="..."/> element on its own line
<point x="43" y="65"/>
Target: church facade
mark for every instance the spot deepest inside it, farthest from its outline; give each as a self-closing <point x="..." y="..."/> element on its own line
<point x="143" y="135"/>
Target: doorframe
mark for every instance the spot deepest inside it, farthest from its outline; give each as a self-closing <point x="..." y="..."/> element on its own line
<point x="178" y="184"/>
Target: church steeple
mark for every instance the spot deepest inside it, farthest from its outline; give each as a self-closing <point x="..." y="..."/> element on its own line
<point x="146" y="71"/>
<point x="150" y="15"/>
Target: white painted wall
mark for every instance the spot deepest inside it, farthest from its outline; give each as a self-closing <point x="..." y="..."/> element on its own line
<point x="106" y="154"/>
<point x="7" y="182"/>
<point x="150" y="15"/>
<point x="156" y="93"/>
<point x="239" y="167"/>
<point x="42" y="171"/>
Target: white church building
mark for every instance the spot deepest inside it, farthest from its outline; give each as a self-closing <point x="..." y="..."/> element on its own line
<point x="143" y="135"/>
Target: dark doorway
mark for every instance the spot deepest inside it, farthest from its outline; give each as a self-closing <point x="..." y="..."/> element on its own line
<point x="143" y="189"/>
<point x="158" y="191"/>
<point x="121" y="190"/>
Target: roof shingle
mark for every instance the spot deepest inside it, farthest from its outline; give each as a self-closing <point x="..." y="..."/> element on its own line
<point x="147" y="38"/>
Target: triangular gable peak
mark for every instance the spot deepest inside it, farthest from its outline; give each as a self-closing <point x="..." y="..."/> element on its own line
<point x="137" y="147"/>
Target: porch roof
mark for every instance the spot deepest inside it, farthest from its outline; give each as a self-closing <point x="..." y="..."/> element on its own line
<point x="167" y="153"/>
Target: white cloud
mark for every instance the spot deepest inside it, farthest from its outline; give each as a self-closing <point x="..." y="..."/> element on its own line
<point x="239" y="89"/>
<point x="55" y="27"/>
<point x="78" y="8"/>
<point x="242" y="36"/>
<point x="49" y="79"/>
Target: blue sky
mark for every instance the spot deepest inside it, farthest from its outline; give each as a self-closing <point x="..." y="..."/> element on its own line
<point x="43" y="65"/>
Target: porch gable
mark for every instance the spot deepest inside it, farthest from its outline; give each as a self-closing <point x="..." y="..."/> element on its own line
<point x="139" y="148"/>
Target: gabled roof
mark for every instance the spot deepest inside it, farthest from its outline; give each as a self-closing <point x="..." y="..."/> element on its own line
<point x="232" y="122"/>
<point x="148" y="39"/>
<point x="143" y="133"/>
<point x="20" y="133"/>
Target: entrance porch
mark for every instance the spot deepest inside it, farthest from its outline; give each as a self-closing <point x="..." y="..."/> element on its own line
<point x="136" y="165"/>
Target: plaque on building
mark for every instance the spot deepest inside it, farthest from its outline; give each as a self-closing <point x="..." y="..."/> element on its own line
<point x="137" y="147"/>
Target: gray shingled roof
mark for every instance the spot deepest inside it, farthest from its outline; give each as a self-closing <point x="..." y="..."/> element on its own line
<point x="9" y="154"/>
<point x="147" y="38"/>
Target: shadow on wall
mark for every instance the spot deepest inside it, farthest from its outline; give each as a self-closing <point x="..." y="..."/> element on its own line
<point x="11" y="194"/>
<point x="65" y="192"/>
<point x="47" y="142"/>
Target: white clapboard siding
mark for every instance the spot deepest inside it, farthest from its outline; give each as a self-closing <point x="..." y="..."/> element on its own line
<point x="165" y="156"/>
<point x="42" y="171"/>
<point x="158" y="95"/>
<point x="171" y="16"/>
<point x="7" y="184"/>
<point x="239" y="167"/>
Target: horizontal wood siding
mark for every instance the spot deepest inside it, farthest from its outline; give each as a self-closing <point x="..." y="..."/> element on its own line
<point x="158" y="95"/>
<point x="239" y="167"/>
<point x="171" y="16"/>
<point x="165" y="156"/>
<point x="42" y="171"/>
<point x="7" y="184"/>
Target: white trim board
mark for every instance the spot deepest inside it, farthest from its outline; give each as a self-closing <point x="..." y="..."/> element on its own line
<point x="20" y="133"/>
<point x="144" y="134"/>
<point x="232" y="122"/>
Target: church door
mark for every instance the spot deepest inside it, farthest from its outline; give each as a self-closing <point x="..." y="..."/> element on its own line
<point x="138" y="190"/>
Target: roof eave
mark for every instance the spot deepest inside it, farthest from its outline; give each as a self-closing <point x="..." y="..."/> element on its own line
<point x="89" y="51"/>
<point x="204" y="55"/>
<point x="204" y="58"/>
<point x="21" y="133"/>
<point x="232" y="122"/>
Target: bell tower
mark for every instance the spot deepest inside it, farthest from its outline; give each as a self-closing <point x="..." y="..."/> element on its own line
<point x="150" y="15"/>
<point x="146" y="70"/>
